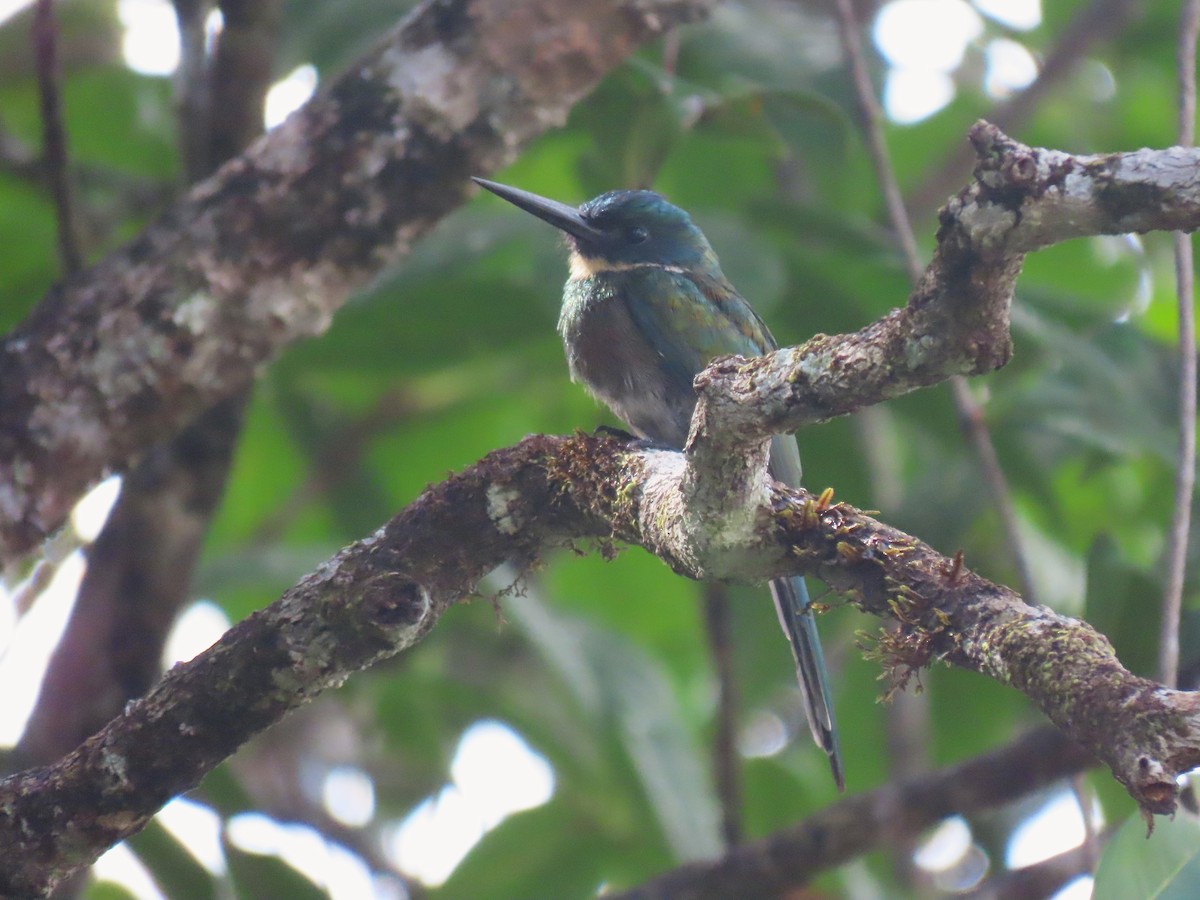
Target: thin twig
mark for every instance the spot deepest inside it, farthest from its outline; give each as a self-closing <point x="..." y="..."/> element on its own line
<point x="16" y="158"/>
<point x="1185" y="467"/>
<point x="876" y="431"/>
<point x="872" y="121"/>
<point x="670" y="53"/>
<point x="974" y="426"/>
<point x="907" y="726"/>
<point x="907" y="746"/>
<point x="54" y="134"/>
<point x="1042" y="879"/>
<point x="970" y="415"/>
<point x="725" y="756"/>
<point x="193" y="88"/>
<point x="22" y="599"/>
<point x="23" y="594"/>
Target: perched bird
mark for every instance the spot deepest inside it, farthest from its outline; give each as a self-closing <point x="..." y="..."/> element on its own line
<point x="646" y="308"/>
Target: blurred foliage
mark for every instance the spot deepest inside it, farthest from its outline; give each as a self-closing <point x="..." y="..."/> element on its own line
<point x="602" y="666"/>
<point x="1166" y="867"/>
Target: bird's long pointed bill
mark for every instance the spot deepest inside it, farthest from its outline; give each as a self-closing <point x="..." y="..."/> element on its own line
<point x="557" y="214"/>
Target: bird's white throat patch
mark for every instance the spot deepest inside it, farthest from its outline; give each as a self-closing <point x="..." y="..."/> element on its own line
<point x="582" y="267"/>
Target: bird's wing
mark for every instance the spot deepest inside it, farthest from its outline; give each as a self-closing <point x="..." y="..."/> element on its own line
<point x="690" y="320"/>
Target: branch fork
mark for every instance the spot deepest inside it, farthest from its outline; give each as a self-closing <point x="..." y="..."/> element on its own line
<point x="957" y="322"/>
<point x="709" y="512"/>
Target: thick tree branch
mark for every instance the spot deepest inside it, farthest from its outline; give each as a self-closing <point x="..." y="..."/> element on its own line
<point x="381" y="595"/>
<point x="138" y="576"/>
<point x="372" y="600"/>
<point x="127" y="353"/>
<point x="139" y="568"/>
<point x="1146" y="733"/>
<point x="263" y="253"/>
<point x="957" y="320"/>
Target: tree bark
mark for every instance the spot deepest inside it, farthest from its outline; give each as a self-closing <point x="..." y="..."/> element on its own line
<point x="262" y="254"/>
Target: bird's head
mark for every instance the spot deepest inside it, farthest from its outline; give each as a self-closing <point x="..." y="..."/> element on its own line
<point x="620" y="230"/>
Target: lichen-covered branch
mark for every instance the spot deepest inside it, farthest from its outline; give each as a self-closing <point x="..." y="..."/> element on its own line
<point x="383" y="594"/>
<point x="372" y="600"/>
<point x="956" y="321"/>
<point x="261" y="254"/>
<point x="1146" y="733"/>
<point x="139" y="568"/>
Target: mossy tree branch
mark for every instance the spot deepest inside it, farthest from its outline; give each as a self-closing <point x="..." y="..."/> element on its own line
<point x="383" y="594"/>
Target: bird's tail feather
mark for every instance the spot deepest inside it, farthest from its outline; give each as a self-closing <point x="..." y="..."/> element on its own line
<point x="795" y="615"/>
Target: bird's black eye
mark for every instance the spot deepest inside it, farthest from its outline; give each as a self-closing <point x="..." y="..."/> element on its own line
<point x="637" y="235"/>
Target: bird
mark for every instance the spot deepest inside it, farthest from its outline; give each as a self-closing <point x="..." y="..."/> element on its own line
<point x="645" y="308"/>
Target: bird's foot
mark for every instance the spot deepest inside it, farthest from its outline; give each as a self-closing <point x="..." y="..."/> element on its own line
<point x="616" y="433"/>
<point x="633" y="441"/>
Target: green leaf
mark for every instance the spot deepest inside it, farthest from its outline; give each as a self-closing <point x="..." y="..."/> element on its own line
<point x="28" y="264"/>
<point x="1163" y="866"/>
<point x="106" y="890"/>
<point x="616" y="682"/>
<point x="255" y="876"/>
<point x="176" y="872"/>
<point x="1122" y="604"/>
<point x="539" y="847"/>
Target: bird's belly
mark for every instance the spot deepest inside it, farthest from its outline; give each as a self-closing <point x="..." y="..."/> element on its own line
<point x="608" y="355"/>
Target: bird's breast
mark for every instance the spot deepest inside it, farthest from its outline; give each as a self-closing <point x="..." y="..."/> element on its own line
<point x="609" y="356"/>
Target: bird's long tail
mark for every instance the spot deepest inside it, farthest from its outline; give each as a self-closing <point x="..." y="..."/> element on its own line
<point x="795" y="615"/>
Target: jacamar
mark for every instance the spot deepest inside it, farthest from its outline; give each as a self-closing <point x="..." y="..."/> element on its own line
<point x="646" y="308"/>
